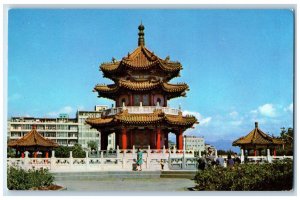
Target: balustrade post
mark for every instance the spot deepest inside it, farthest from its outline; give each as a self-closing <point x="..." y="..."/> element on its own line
<point x="102" y="160"/>
<point x="242" y="156"/>
<point x="26" y="160"/>
<point x="169" y="159"/>
<point x="87" y="163"/>
<point x="124" y="159"/>
<point x="148" y="151"/>
<point x="164" y="151"/>
<point x="118" y="151"/>
<point x="147" y="162"/>
<point x="52" y="161"/>
<point x="71" y="159"/>
<point x="133" y="151"/>
<point x="183" y="159"/>
<point x="269" y="158"/>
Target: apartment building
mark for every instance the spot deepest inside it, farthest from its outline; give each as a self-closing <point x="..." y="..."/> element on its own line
<point x="194" y="143"/>
<point x="63" y="130"/>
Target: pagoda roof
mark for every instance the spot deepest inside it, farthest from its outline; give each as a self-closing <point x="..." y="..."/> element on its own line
<point x="155" y="117"/>
<point x="32" y="138"/>
<point x="141" y="59"/>
<point x="257" y="137"/>
<point x="109" y="90"/>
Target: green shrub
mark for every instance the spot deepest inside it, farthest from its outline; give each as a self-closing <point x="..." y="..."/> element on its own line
<point x="248" y="177"/>
<point x="20" y="179"/>
<point x="64" y="152"/>
<point x="77" y="151"/>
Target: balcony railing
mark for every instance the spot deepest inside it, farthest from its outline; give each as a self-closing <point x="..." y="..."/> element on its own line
<point x="140" y="110"/>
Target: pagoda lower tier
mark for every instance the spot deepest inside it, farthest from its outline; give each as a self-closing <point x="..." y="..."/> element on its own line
<point x="142" y="126"/>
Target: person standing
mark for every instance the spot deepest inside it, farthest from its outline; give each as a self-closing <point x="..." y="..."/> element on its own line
<point x="220" y="161"/>
<point x="202" y="163"/>
<point x="236" y="159"/>
<point x="230" y="161"/>
<point x="139" y="159"/>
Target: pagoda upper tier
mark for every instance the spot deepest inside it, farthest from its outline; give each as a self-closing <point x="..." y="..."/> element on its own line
<point x="141" y="72"/>
<point x="141" y="60"/>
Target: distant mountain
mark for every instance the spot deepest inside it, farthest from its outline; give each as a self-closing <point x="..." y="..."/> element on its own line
<point x="223" y="145"/>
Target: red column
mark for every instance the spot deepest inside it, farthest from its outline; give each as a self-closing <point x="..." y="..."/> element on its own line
<point x="180" y="140"/>
<point x="131" y="100"/>
<point x="151" y="100"/>
<point x="254" y="152"/>
<point x="274" y="153"/>
<point x="158" y="138"/>
<point x="124" y="138"/>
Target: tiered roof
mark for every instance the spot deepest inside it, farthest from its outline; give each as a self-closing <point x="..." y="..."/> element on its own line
<point x="258" y="138"/>
<point x="141" y="59"/>
<point x="109" y="91"/>
<point x="154" y="72"/>
<point x="155" y="117"/>
<point x="32" y="139"/>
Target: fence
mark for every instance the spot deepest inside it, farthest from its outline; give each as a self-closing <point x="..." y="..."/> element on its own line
<point x="118" y="160"/>
<point x="122" y="160"/>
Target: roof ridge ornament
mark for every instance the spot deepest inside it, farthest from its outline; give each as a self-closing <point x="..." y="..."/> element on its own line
<point x="141" y="41"/>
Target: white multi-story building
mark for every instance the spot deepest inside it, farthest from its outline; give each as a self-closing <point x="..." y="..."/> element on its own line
<point x="63" y="130"/>
<point x="194" y="143"/>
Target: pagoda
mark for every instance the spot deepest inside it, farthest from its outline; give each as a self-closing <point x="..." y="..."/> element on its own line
<point x="141" y="91"/>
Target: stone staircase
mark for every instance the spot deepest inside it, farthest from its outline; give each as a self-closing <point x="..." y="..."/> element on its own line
<point x="73" y="176"/>
<point x="106" y="175"/>
<point x="178" y="174"/>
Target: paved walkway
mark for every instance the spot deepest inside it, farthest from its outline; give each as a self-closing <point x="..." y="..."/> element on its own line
<point x="128" y="184"/>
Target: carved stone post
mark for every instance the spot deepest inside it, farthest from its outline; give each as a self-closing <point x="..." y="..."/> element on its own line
<point x="71" y="159"/>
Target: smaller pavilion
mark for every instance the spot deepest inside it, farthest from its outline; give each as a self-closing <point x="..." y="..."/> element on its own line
<point x="257" y="140"/>
<point x="33" y="142"/>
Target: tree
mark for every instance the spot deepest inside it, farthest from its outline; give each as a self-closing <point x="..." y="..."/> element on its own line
<point x="93" y="145"/>
<point x="288" y="137"/>
<point x="62" y="152"/>
<point x="77" y="151"/>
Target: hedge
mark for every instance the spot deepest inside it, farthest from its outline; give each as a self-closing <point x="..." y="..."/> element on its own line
<point x="274" y="176"/>
<point x="20" y="179"/>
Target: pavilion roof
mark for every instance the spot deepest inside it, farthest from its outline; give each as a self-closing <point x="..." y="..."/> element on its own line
<point x="109" y="90"/>
<point x="257" y="137"/>
<point x="32" y="138"/>
<point x="141" y="59"/>
<point x="155" y="117"/>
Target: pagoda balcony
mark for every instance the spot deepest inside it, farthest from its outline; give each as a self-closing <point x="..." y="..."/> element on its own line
<point x="140" y="110"/>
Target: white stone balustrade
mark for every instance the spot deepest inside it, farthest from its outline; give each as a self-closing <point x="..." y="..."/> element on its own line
<point x="120" y="161"/>
<point x="140" y="110"/>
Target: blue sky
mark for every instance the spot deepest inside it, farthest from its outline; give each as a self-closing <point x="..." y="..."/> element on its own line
<point x="238" y="63"/>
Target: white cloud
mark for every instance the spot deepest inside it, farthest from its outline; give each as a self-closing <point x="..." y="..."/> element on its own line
<point x="233" y="114"/>
<point x="289" y="108"/>
<point x="64" y="110"/>
<point x="203" y="121"/>
<point x="254" y="112"/>
<point x="267" y="110"/>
